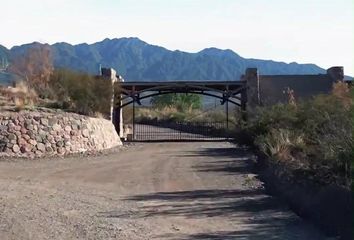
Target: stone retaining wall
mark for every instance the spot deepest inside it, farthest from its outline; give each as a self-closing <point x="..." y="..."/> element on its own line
<point x="35" y="134"/>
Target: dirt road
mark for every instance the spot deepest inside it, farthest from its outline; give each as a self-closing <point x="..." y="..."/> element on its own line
<point x="149" y="191"/>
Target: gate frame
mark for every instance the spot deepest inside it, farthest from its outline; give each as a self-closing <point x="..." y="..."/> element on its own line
<point x="234" y="92"/>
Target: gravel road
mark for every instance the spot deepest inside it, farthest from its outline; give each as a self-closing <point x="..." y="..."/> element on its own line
<point x="198" y="190"/>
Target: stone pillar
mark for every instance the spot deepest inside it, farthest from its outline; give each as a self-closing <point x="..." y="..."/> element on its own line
<point x="336" y="73"/>
<point x="116" y="112"/>
<point x="253" y="89"/>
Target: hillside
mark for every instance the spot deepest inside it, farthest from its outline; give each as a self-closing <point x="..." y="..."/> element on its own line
<point x="137" y="60"/>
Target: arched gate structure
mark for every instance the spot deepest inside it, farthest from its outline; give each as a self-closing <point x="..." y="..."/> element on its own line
<point x="134" y="92"/>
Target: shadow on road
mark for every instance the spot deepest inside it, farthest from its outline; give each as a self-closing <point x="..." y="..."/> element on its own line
<point x="205" y="203"/>
<point x="232" y="160"/>
<point x="253" y="214"/>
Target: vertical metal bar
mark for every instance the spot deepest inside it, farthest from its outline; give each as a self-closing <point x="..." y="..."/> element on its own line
<point x="227" y="119"/>
<point x="134" y="130"/>
<point x="180" y="130"/>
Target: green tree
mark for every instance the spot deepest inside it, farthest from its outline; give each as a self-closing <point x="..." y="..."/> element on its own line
<point x="182" y="102"/>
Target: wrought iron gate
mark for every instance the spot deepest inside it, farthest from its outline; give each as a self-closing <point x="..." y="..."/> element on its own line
<point x="153" y="130"/>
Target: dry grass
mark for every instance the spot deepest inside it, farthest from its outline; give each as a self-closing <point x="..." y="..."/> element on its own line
<point x="20" y="96"/>
<point x="342" y="91"/>
<point x="98" y="115"/>
<point x="279" y="143"/>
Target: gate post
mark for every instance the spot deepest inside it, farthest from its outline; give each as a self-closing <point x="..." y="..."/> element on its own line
<point x="244" y="104"/>
<point x="253" y="88"/>
<point x="116" y="111"/>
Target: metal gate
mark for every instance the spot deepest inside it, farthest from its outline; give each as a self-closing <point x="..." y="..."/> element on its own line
<point x="153" y="130"/>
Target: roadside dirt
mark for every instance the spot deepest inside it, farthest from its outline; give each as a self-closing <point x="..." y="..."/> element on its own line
<point x="199" y="190"/>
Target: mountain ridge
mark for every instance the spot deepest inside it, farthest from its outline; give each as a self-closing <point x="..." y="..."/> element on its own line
<point x="135" y="59"/>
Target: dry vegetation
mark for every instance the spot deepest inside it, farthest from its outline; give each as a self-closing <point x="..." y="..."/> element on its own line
<point x="18" y="97"/>
<point x="35" y="68"/>
<point x="312" y="137"/>
<point x="39" y="85"/>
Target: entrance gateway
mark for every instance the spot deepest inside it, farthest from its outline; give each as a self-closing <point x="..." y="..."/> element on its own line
<point x="133" y="93"/>
<point x="251" y="91"/>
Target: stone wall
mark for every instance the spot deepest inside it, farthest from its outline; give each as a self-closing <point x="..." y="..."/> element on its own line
<point x="35" y="134"/>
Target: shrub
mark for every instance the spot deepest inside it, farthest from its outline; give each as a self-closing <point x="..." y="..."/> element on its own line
<point x="316" y="132"/>
<point x="81" y="92"/>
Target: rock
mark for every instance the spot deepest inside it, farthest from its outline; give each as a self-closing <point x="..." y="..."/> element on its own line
<point x="15" y="148"/>
<point x="26" y="137"/>
<point x="60" y="144"/>
<point x="39" y="138"/>
<point x="41" y="147"/>
<point x="42" y="133"/>
<point x="26" y="148"/>
<point x="3" y="128"/>
<point x="8" y="150"/>
<point x="38" y="153"/>
<point x="52" y="121"/>
<point x="28" y="122"/>
<point x="61" y="150"/>
<point x="37" y="118"/>
<point x="21" y="141"/>
<point x="58" y="138"/>
<point x="50" y="137"/>
<point x="49" y="149"/>
<point x="31" y="134"/>
<point x="23" y="130"/>
<point x="32" y="142"/>
<point x="67" y="128"/>
<point x="11" y="127"/>
<point x="85" y="133"/>
<point x="20" y="119"/>
<point x="56" y="127"/>
<point x="44" y="121"/>
<point x="12" y="136"/>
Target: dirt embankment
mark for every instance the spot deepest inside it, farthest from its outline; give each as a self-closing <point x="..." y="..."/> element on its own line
<point x="329" y="207"/>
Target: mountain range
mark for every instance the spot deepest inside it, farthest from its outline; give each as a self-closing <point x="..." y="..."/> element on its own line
<point x="135" y="59"/>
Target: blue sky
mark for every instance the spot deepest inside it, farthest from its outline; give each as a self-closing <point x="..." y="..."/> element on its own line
<point x="305" y="31"/>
